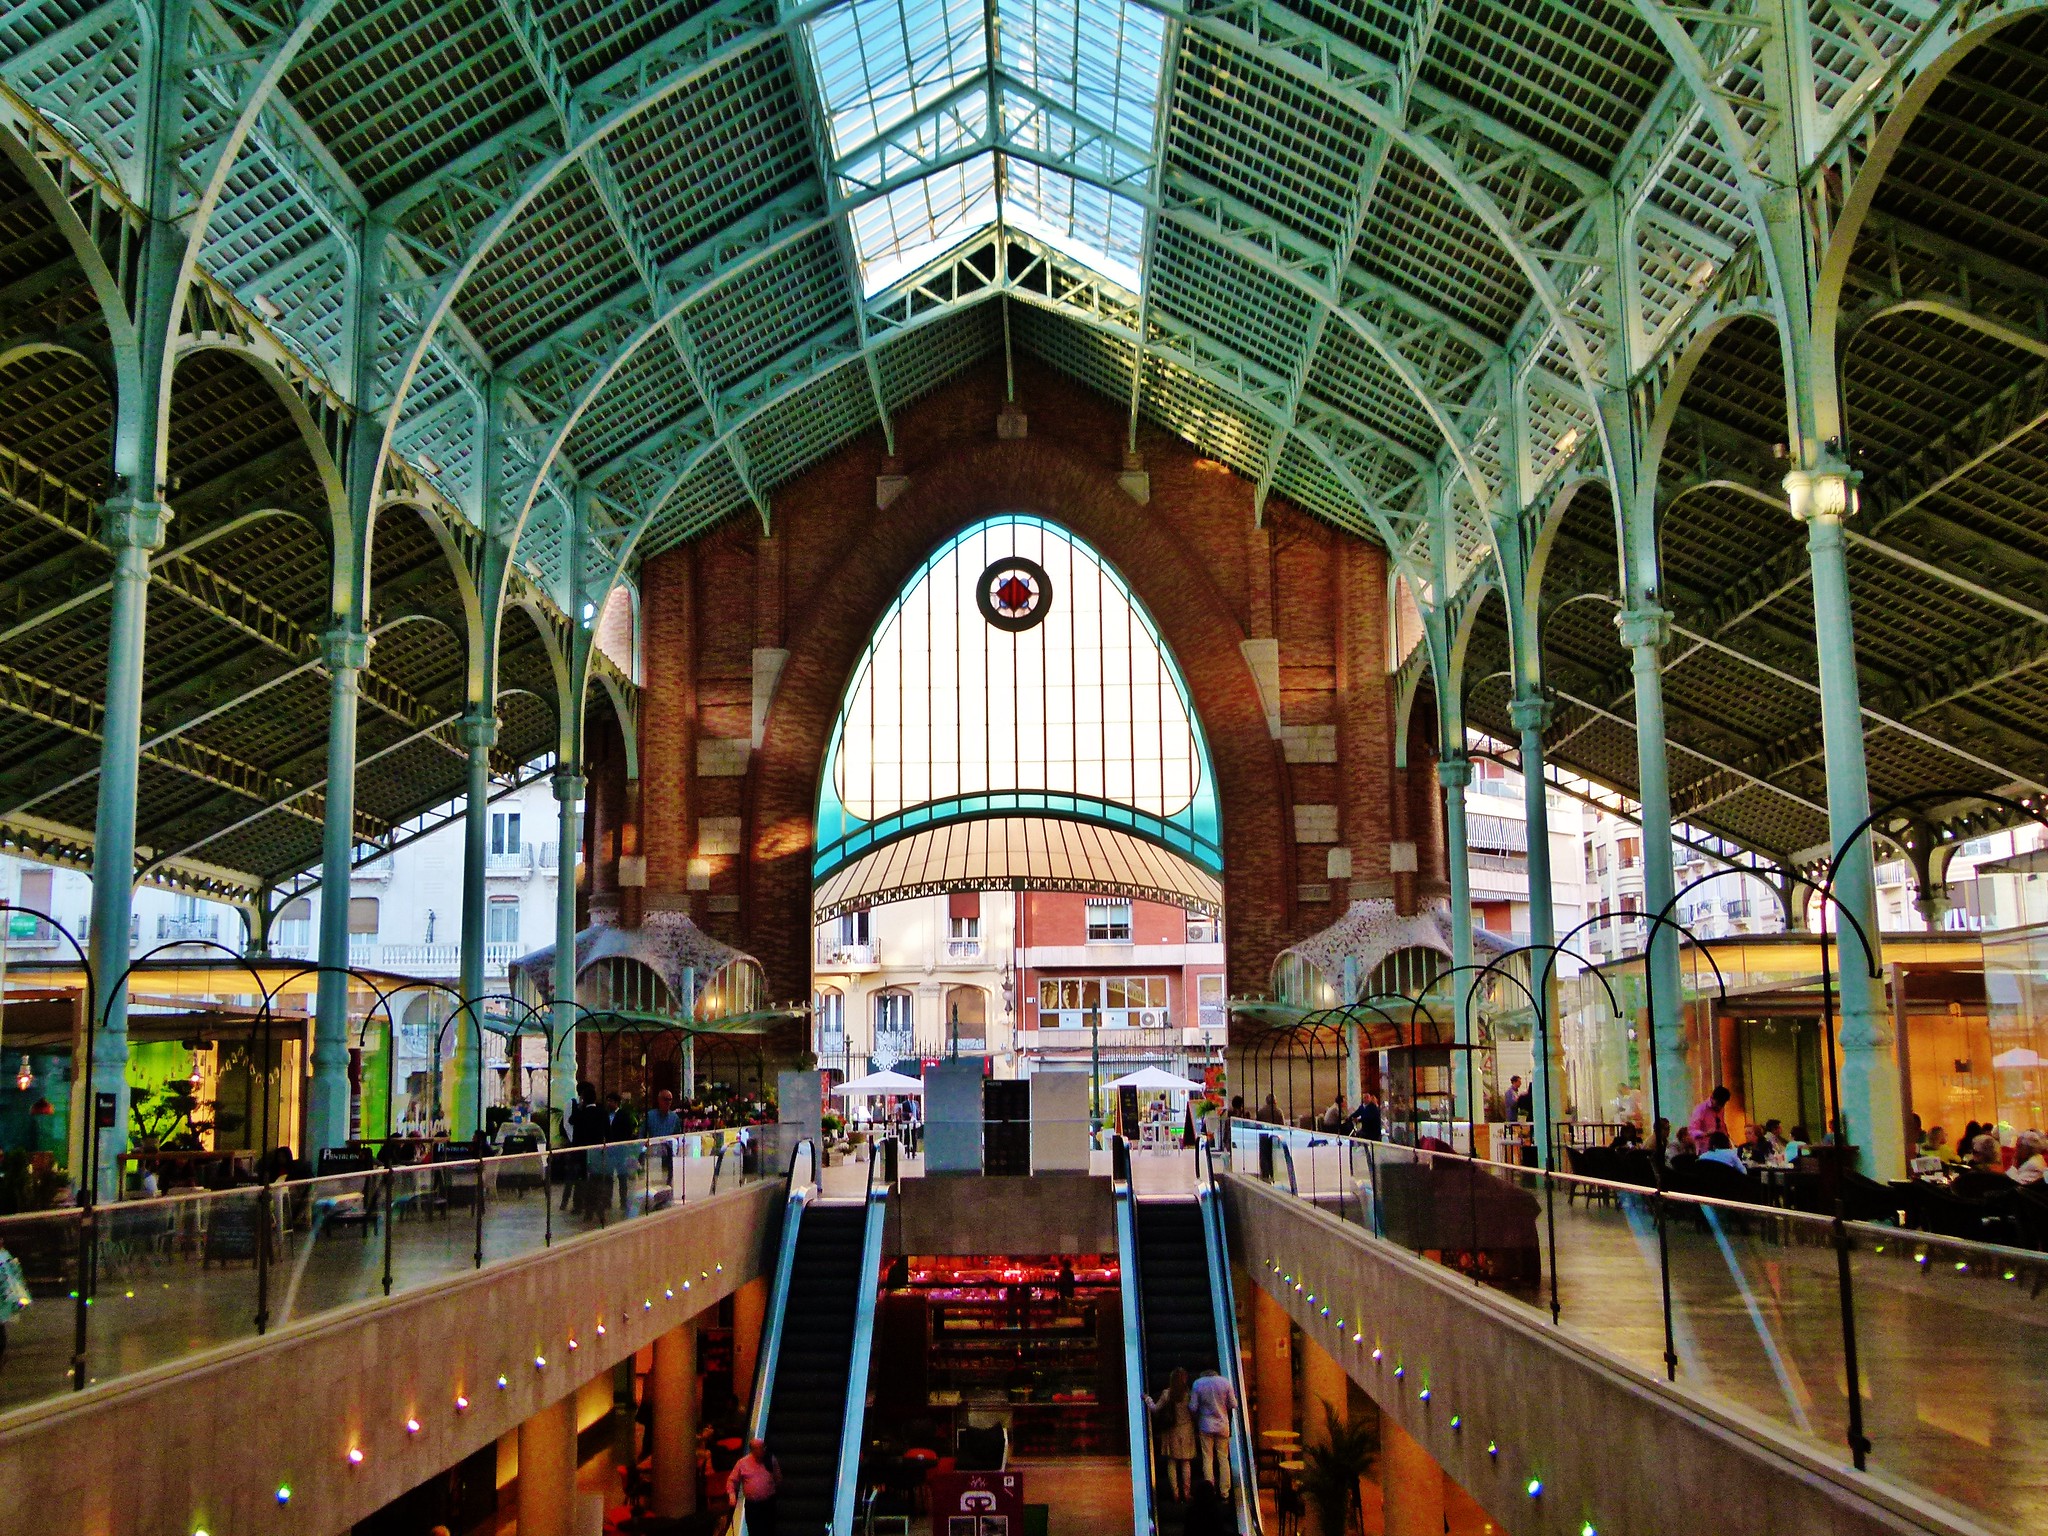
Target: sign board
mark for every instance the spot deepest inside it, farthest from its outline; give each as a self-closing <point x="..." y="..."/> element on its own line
<point x="976" y="1503"/>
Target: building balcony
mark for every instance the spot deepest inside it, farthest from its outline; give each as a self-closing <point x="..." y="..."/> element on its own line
<point x="963" y="951"/>
<point x="204" y="928"/>
<point x="509" y="866"/>
<point x="837" y="955"/>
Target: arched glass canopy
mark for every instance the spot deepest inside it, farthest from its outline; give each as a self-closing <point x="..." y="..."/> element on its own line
<point x="1018" y="678"/>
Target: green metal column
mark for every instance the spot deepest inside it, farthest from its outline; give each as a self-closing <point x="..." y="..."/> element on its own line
<point x="478" y="733"/>
<point x="1530" y="714"/>
<point x="1645" y="629"/>
<point x="347" y="651"/>
<point x="1454" y="773"/>
<point x="569" y="791"/>
<point x="133" y="529"/>
<point x="1871" y="1110"/>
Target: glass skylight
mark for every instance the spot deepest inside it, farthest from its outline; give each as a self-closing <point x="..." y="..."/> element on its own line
<point x="1016" y="674"/>
<point x="906" y="84"/>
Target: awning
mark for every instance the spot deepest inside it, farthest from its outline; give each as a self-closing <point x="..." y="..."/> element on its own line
<point x="1041" y="853"/>
<point x="880" y="1085"/>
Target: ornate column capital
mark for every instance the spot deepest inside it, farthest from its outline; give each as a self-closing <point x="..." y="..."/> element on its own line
<point x="570" y="784"/>
<point x="345" y="649"/>
<point x="1454" y="772"/>
<point x="1529" y="711"/>
<point x="1644" y="625"/>
<point x="1824" y="493"/>
<point x="477" y="730"/>
<point x="128" y="521"/>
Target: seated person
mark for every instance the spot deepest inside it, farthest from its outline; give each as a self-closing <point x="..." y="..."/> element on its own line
<point x="1721" y="1150"/>
<point x="1985" y="1153"/>
<point x="2029" y="1159"/>
<point x="1682" y="1147"/>
<point x="1626" y="1139"/>
<point x="1773" y="1138"/>
<point x="1935" y="1143"/>
<point x="1795" y="1144"/>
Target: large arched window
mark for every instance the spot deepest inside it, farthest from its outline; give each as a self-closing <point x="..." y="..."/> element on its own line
<point x="1018" y="684"/>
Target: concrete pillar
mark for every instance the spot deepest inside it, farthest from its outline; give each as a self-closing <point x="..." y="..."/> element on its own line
<point x="673" y="1384"/>
<point x="478" y="731"/>
<point x="1272" y="1363"/>
<point x="1870" y="1113"/>
<point x="1324" y="1386"/>
<point x="133" y="529"/>
<point x="1454" y="772"/>
<point x="1411" y="1484"/>
<point x="570" y="786"/>
<point x="347" y="651"/>
<point x="547" y="1471"/>
<point x="749" y="1312"/>
<point x="1645" y="628"/>
<point x="1531" y="713"/>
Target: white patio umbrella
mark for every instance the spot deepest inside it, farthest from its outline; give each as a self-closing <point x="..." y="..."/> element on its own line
<point x="878" y="1085"/>
<point x="1156" y="1080"/>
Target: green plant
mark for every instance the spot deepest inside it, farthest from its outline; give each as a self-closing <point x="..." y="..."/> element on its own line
<point x="1330" y="1481"/>
<point x="832" y="1123"/>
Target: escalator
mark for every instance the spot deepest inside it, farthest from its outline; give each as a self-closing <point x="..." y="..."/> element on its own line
<point x="812" y="1380"/>
<point x="1177" y="1294"/>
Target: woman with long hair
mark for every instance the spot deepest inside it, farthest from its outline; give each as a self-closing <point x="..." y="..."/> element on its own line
<point x="1173" y="1428"/>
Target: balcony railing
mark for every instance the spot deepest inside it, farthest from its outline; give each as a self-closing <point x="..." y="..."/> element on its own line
<point x="501" y="865"/>
<point x="186" y="930"/>
<point x="833" y="951"/>
<point x="963" y="949"/>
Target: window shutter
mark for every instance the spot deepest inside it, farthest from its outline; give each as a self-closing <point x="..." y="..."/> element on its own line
<point x="963" y="904"/>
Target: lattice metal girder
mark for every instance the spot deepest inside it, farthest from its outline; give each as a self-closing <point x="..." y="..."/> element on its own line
<point x="1901" y="266"/>
<point x="1368" y="84"/>
<point x="481" y="195"/>
<point x="75" y="714"/>
<point x="1069" y="289"/>
<point x="540" y="54"/>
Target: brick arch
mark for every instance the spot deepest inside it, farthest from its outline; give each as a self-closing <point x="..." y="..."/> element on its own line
<point x="879" y="556"/>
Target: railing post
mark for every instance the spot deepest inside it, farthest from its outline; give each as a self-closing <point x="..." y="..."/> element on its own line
<point x="1859" y="1443"/>
<point x="547" y="1190"/>
<point x="479" y="1212"/>
<point x="263" y="1258"/>
<point x="81" y="1328"/>
<point x="390" y="1212"/>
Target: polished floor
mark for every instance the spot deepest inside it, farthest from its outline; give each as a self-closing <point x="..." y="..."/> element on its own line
<point x="1952" y="1343"/>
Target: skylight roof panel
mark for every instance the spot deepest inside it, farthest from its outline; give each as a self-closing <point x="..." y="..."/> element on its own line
<point x="1095" y="227"/>
<point x="899" y="233"/>
<point x="879" y="62"/>
<point x="1102" y="58"/>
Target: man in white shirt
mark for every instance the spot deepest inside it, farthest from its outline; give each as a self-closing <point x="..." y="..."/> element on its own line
<point x="1213" y="1402"/>
<point x="1721" y="1150"/>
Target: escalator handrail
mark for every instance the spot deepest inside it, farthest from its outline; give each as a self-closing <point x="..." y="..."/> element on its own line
<point x="1229" y="1349"/>
<point x="855" y="1423"/>
<point x="795" y="1198"/>
<point x="1140" y="1419"/>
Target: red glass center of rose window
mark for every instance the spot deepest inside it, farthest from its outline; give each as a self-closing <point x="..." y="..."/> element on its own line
<point x="1014" y="593"/>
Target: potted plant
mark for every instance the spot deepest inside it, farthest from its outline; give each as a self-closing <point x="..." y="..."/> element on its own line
<point x="1330" y="1481"/>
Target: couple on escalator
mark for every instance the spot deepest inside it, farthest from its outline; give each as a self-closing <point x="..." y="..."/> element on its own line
<point x="1191" y="1422"/>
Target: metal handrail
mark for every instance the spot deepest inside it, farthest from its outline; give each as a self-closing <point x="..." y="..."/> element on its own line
<point x="1140" y="1421"/>
<point x="843" y="1499"/>
<point x="794" y="1201"/>
<point x="1229" y="1350"/>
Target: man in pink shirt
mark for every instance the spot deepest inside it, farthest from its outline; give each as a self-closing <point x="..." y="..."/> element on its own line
<point x="1710" y="1118"/>
<point x="758" y="1475"/>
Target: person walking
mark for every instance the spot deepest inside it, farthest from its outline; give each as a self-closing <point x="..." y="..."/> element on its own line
<point x="1213" y="1402"/>
<point x="1173" y="1432"/>
<point x="1365" y="1120"/>
<point x="622" y="1158"/>
<point x="757" y="1475"/>
<point x="587" y="1122"/>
